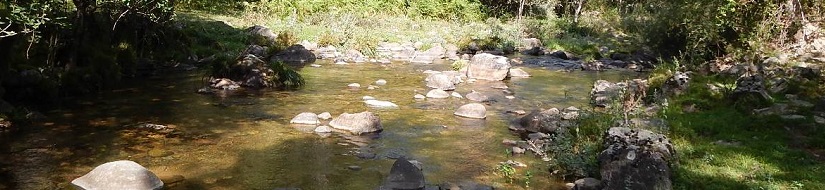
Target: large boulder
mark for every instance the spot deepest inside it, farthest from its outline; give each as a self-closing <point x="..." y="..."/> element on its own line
<point x="404" y="175"/>
<point x="472" y="110"/>
<point x="257" y="50"/>
<point x="636" y="159"/>
<point x="488" y="67"/>
<point x="440" y="81"/>
<point x="294" y="55"/>
<point x="306" y="118"/>
<point x="547" y="121"/>
<point x="261" y="35"/>
<point x="529" y="43"/>
<point x="358" y="123"/>
<point x="250" y="71"/>
<point x="436" y="52"/>
<point x="605" y="93"/>
<point x="122" y="174"/>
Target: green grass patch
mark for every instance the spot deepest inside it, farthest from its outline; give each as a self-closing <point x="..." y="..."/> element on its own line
<point x="758" y="156"/>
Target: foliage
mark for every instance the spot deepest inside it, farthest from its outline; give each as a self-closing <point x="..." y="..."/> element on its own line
<point x="435" y="9"/>
<point x="507" y="171"/>
<point x="287" y="77"/>
<point x="574" y="154"/>
<point x="459" y="64"/>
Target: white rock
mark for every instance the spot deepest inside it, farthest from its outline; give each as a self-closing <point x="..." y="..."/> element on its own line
<point x="354" y="85"/>
<point x="456" y="95"/>
<point x="368" y="98"/>
<point x="419" y="96"/>
<point x="121" y="174"/>
<point x="315" y="65"/>
<point x="437" y="93"/>
<point x="325" y="116"/>
<point x="792" y="117"/>
<point x="381" y="82"/>
<point x="359" y="123"/>
<point x="306" y="118"/>
<point x="510" y="97"/>
<point x="570" y="115"/>
<point x="380" y="104"/>
<point x="472" y="110"/>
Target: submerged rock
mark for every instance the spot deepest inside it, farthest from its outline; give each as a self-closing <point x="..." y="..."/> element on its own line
<point x="472" y="110"/>
<point x="122" y="174"/>
<point x="323" y="129"/>
<point x="306" y="118"/>
<point x="404" y="175"/>
<point x="477" y="96"/>
<point x="380" y="104"/>
<point x="359" y="123"/>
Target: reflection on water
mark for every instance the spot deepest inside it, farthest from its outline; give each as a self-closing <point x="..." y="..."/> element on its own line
<point x="243" y="140"/>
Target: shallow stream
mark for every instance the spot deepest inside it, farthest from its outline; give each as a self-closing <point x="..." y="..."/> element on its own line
<point x="244" y="140"/>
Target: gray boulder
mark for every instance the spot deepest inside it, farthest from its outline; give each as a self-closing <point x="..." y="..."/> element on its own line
<point x="294" y="55"/>
<point x="250" y="71"/>
<point x="636" y="159"/>
<point x="605" y="93"/>
<point x="122" y="174"/>
<point x="440" y="81"/>
<point x="436" y="52"/>
<point x="529" y="43"/>
<point x="472" y="110"/>
<point x="261" y="35"/>
<point x="306" y="118"/>
<point x="488" y="67"/>
<point x="541" y="121"/>
<point x="359" y="123"/>
<point x="259" y="51"/>
<point x="404" y="175"/>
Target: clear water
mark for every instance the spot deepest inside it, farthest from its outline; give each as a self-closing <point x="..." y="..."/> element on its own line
<point x="244" y="140"/>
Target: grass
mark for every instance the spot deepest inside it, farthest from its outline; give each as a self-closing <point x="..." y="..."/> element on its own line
<point x="763" y="158"/>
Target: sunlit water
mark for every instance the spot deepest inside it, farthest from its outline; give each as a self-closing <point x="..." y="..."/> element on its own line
<point x="245" y="141"/>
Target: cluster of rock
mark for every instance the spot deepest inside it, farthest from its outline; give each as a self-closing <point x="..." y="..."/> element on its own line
<point x="539" y="125"/>
<point x="636" y="159"/>
<point x="386" y="52"/>
<point x="357" y="123"/>
<point x="252" y="69"/>
<point x="562" y="60"/>
<point x="482" y="66"/>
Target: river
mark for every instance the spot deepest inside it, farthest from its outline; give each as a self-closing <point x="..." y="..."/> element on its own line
<point x="243" y="140"/>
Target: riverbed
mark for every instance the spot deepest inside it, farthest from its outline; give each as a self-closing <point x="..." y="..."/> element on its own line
<point x="243" y="140"/>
